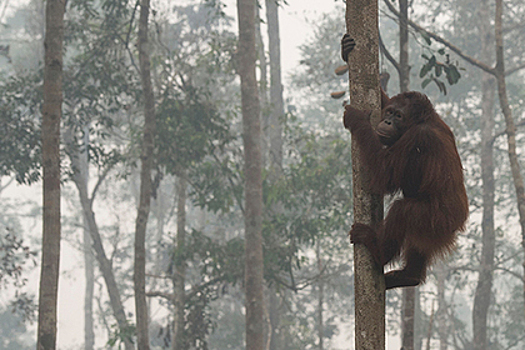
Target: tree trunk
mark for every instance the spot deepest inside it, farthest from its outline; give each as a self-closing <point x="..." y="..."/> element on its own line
<point x="276" y="89"/>
<point x="89" y="261"/>
<point x="51" y="116"/>
<point x="263" y="86"/>
<point x="442" y="306"/>
<point x="407" y="318"/>
<point x="362" y="23"/>
<point x="275" y="137"/>
<point x="320" y="299"/>
<point x="104" y="263"/>
<point x="404" y="67"/>
<point x="486" y="269"/>
<point x="146" y="158"/>
<point x="179" y="276"/>
<point x="509" y="121"/>
<point x="253" y="179"/>
<point x="409" y="294"/>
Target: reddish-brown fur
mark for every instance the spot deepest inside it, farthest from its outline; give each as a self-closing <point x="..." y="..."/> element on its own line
<point x="424" y="165"/>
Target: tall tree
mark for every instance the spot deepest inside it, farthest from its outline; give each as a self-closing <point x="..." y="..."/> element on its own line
<point x="486" y="267"/>
<point x="275" y="137"/>
<point x="146" y="158"/>
<point x="276" y="87"/>
<point x="51" y="116"/>
<point x="89" y="260"/>
<point x="179" y="271"/>
<point x="362" y="23"/>
<point x="252" y="174"/>
<point x="104" y="263"/>
<point x="499" y="72"/>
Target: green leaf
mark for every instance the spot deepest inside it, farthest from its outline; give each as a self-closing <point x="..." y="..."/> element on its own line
<point x="424" y="70"/>
<point x="438" y="69"/>
<point x="425" y="83"/>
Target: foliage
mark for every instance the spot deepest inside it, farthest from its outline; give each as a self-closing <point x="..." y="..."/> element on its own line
<point x="448" y="68"/>
<point x="20" y="127"/>
<point x="313" y="198"/>
<point x="188" y="130"/>
<point x="119" y="335"/>
<point x="13" y="256"/>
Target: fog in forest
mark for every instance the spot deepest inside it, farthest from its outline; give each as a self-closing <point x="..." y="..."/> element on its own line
<point x="205" y="189"/>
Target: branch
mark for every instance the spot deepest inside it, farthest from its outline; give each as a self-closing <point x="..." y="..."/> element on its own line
<point x="160" y="294"/>
<point x="388" y="55"/>
<point x="503" y="132"/>
<point x="510" y="272"/>
<point x="439" y="39"/>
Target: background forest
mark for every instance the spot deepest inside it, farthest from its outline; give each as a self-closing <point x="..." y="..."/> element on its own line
<point x="195" y="286"/>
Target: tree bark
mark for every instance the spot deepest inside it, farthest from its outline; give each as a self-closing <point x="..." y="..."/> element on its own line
<point x="104" y="263"/>
<point x="404" y="67"/>
<point x="141" y="306"/>
<point x="509" y="121"/>
<point x="263" y="86"/>
<point x="409" y="294"/>
<point x="362" y="24"/>
<point x="253" y="177"/>
<point x="179" y="276"/>
<point x="89" y="260"/>
<point x="441" y="273"/>
<point x="486" y="269"/>
<point x="275" y="137"/>
<point x="276" y="89"/>
<point x="51" y="116"/>
<point x="320" y="299"/>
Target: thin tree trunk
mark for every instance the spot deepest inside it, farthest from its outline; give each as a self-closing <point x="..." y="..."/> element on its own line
<point x="146" y="158"/>
<point x="275" y="136"/>
<point x="430" y="324"/>
<point x="51" y="116"/>
<point x="407" y="318"/>
<point x="179" y="276"/>
<point x="253" y="177"/>
<point x="418" y="326"/>
<point x="362" y="23"/>
<point x="105" y="265"/>
<point x="320" y="299"/>
<point x="486" y="269"/>
<point x="276" y="88"/>
<point x="263" y="86"/>
<point x="442" y="306"/>
<point x="409" y="294"/>
<point x="89" y="261"/>
<point x="404" y="67"/>
<point x="509" y="121"/>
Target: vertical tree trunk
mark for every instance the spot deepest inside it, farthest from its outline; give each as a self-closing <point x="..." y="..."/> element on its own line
<point x="404" y="67"/>
<point x="362" y="23"/>
<point x="141" y="306"/>
<point x="442" y="306"/>
<point x="51" y="116"/>
<point x="263" y="86"/>
<point x="89" y="261"/>
<point x="320" y="299"/>
<point x="509" y="121"/>
<point x="486" y="269"/>
<point x="104" y="263"/>
<point x="276" y="89"/>
<point x="179" y="277"/>
<point x="409" y="294"/>
<point x="407" y="318"/>
<point x="252" y="173"/>
<point x="275" y="137"/>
